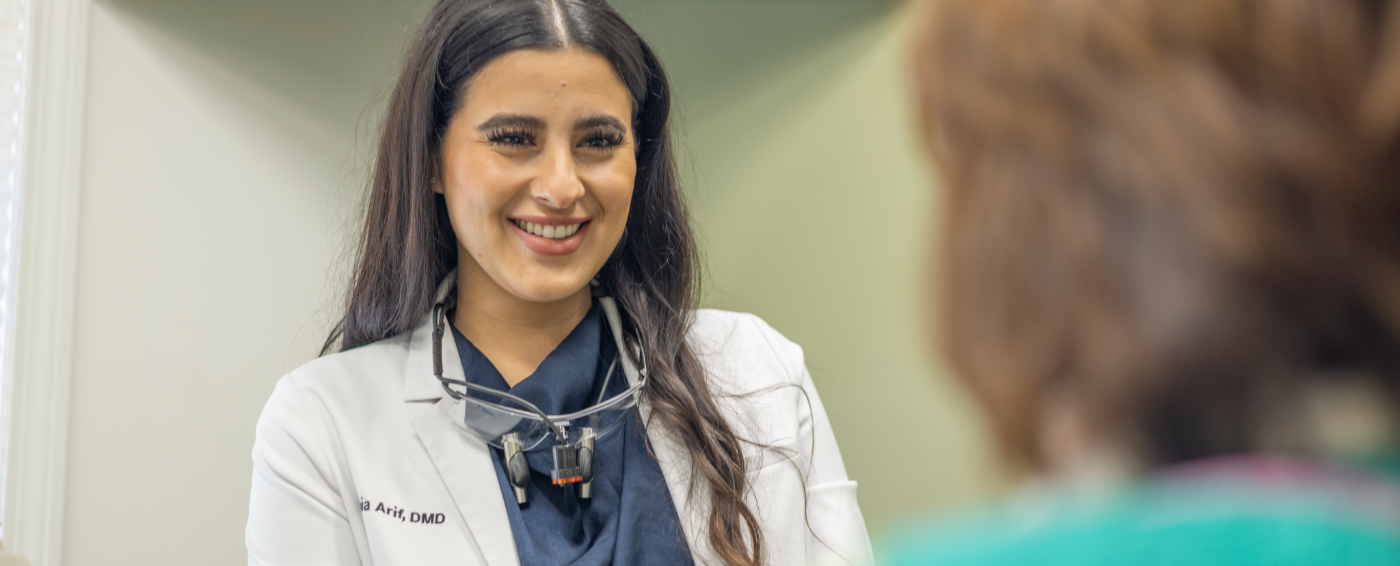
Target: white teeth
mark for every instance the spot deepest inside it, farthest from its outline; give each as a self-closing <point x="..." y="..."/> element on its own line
<point x="552" y="232"/>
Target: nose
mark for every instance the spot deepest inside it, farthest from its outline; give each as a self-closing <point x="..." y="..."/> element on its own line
<point x="558" y="185"/>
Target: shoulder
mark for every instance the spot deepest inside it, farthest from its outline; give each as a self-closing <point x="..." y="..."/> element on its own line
<point x="732" y="344"/>
<point x="369" y="365"/>
<point x="342" y="393"/>
<point x="1205" y="528"/>
<point x="344" y="380"/>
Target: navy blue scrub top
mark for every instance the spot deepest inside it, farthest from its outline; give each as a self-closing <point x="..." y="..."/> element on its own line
<point x="630" y="520"/>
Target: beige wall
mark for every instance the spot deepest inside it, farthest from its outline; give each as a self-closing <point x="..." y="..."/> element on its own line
<point x="213" y="200"/>
<point x="223" y="163"/>
<point x="815" y="209"/>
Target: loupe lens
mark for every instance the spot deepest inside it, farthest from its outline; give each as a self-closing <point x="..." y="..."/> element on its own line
<point x="490" y="420"/>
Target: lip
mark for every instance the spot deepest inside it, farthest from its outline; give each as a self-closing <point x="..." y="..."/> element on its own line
<point x="546" y="246"/>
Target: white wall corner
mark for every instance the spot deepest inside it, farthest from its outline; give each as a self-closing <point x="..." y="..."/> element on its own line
<point x="47" y="249"/>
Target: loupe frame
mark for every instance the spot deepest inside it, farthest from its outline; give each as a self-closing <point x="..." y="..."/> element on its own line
<point x="556" y="423"/>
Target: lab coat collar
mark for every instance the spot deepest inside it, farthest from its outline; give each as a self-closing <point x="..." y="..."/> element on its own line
<point x="419" y="382"/>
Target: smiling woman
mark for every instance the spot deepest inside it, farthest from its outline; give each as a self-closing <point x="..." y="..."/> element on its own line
<point x="537" y="171"/>
<point x="521" y="319"/>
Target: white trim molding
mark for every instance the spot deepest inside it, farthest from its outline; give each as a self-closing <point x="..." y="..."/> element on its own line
<point x="47" y="247"/>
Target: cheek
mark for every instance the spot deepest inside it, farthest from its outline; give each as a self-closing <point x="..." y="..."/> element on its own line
<point x="477" y="190"/>
<point x="615" y="185"/>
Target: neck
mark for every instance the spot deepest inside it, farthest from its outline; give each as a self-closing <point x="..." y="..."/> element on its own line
<point x="515" y="334"/>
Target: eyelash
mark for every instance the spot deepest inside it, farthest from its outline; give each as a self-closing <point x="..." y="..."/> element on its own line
<point x="511" y="137"/>
<point x="610" y="139"/>
<point x="515" y="138"/>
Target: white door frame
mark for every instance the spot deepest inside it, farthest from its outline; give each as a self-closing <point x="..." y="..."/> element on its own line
<point x="47" y="249"/>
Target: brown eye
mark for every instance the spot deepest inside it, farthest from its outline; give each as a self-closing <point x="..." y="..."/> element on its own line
<point x="512" y="138"/>
<point x="603" y="140"/>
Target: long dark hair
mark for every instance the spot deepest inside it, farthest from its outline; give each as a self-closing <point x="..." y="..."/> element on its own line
<point x="408" y="244"/>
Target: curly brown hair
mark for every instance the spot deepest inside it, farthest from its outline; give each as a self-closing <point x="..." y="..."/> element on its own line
<point x="1183" y="211"/>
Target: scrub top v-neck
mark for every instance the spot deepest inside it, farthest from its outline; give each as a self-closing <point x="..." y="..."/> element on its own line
<point x="630" y="519"/>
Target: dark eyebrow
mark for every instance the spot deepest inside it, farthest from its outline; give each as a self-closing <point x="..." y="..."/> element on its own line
<point x="599" y="121"/>
<point x="511" y="121"/>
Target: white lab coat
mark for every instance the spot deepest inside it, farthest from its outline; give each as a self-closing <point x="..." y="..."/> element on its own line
<point x="356" y="462"/>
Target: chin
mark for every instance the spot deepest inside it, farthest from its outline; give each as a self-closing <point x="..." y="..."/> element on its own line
<point x="548" y="291"/>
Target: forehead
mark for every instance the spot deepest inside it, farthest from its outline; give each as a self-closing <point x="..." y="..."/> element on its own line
<point x="548" y="82"/>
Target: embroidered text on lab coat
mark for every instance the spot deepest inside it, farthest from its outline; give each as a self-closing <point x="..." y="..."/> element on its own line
<point x="401" y="513"/>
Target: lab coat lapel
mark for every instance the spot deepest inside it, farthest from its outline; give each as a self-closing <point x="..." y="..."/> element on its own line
<point x="462" y="461"/>
<point x="676" y="468"/>
<point x="693" y="512"/>
<point x="465" y="467"/>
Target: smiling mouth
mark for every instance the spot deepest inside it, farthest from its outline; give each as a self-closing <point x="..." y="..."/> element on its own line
<point x="550" y="232"/>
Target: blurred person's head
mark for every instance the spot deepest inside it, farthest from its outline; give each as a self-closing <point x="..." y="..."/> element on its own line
<point x="1171" y="228"/>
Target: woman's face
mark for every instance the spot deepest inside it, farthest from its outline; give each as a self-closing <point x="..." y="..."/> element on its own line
<point x="537" y="170"/>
